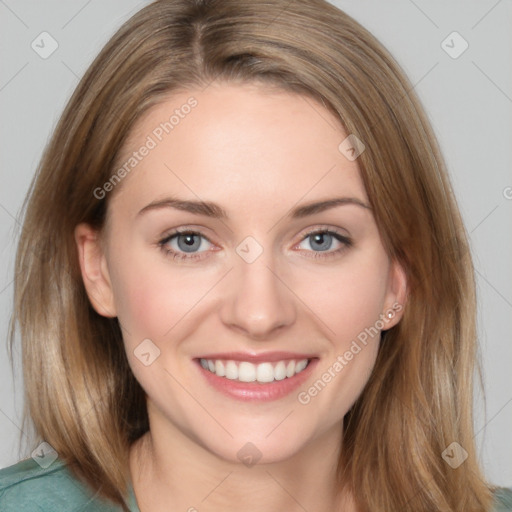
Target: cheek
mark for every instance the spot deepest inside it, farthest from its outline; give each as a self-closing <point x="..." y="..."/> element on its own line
<point x="343" y="372"/>
<point x="350" y="298"/>
<point x="350" y="303"/>
<point x="154" y="303"/>
<point x="151" y="297"/>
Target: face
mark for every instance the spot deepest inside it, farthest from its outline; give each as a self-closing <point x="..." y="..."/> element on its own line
<point x="244" y="264"/>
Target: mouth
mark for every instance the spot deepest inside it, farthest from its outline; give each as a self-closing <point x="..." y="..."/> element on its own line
<point x="245" y="371"/>
<point x="249" y="377"/>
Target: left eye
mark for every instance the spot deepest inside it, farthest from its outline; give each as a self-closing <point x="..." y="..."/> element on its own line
<point x="321" y="241"/>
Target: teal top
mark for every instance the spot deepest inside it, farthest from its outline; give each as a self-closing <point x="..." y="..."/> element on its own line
<point x="26" y="487"/>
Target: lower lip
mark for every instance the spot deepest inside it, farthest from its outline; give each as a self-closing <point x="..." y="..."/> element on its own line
<point x="256" y="391"/>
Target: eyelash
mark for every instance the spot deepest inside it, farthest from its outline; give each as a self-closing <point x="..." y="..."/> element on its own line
<point x="346" y="241"/>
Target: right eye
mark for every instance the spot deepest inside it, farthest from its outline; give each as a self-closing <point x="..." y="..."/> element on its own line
<point x="181" y="244"/>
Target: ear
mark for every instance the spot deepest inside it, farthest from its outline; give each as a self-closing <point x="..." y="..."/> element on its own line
<point x="396" y="296"/>
<point x="94" y="269"/>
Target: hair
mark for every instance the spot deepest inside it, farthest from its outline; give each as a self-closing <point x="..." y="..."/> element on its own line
<point x="80" y="392"/>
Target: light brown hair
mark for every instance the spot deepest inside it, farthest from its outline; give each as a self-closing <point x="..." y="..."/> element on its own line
<point x="80" y="392"/>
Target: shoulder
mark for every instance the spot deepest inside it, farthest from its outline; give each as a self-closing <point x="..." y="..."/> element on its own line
<point x="502" y="499"/>
<point x="27" y="487"/>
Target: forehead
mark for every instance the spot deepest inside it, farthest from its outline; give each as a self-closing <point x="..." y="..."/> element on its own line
<point x="237" y="145"/>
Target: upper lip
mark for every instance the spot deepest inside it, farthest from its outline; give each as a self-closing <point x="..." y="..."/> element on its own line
<point x="260" y="357"/>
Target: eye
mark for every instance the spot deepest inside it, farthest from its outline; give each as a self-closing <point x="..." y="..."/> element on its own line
<point x="321" y="241"/>
<point x="190" y="245"/>
<point x="185" y="244"/>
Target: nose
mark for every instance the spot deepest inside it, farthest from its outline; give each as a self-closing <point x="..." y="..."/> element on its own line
<point x="256" y="300"/>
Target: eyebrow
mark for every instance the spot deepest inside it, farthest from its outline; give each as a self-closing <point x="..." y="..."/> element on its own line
<point x="209" y="209"/>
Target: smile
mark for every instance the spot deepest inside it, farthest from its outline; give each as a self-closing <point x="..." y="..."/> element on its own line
<point x="256" y="377"/>
<point x="244" y="371"/>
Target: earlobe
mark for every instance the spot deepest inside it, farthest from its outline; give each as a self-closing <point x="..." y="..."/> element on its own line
<point x="396" y="296"/>
<point x="94" y="270"/>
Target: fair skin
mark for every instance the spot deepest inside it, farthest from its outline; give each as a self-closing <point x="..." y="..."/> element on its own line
<point x="259" y="154"/>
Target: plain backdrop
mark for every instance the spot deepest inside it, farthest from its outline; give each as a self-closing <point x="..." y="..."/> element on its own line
<point x="467" y="95"/>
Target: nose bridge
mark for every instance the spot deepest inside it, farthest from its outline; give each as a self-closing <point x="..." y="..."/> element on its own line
<point x="256" y="299"/>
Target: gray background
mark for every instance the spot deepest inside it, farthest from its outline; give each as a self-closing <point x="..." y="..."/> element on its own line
<point x="468" y="99"/>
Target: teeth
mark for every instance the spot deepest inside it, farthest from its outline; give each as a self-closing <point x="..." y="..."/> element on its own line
<point x="280" y="371"/>
<point x="231" y="370"/>
<point x="220" y="370"/>
<point x="247" y="372"/>
<point x="290" y="369"/>
<point x="264" y="371"/>
<point x="300" y="365"/>
<point x="243" y="371"/>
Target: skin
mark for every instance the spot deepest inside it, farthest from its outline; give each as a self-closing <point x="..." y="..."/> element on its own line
<point x="258" y="153"/>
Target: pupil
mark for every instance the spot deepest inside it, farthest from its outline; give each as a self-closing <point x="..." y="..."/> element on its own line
<point x="323" y="240"/>
<point x="188" y="242"/>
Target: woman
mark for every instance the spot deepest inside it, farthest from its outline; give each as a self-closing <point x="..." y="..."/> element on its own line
<point x="243" y="276"/>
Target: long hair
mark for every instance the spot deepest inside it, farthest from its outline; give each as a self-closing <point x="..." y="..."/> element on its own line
<point x="80" y="392"/>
